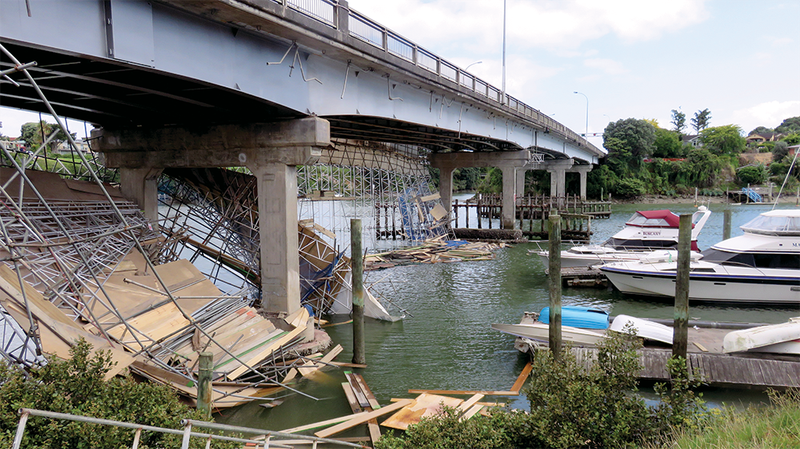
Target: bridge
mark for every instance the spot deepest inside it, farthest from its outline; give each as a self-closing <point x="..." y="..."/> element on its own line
<point x="269" y="85"/>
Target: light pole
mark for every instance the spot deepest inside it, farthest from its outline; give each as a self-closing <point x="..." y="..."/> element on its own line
<point x="476" y="62"/>
<point x="586" y="134"/>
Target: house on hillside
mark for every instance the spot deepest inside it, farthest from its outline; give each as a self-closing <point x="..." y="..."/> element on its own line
<point x="693" y="140"/>
<point x="759" y="138"/>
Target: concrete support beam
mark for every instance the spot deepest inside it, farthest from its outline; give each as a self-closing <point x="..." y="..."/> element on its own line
<point x="496" y="159"/>
<point x="141" y="185"/>
<point x="509" y="196"/>
<point x="521" y="181"/>
<point x="270" y="150"/>
<point x="582" y="170"/>
<point x="446" y="188"/>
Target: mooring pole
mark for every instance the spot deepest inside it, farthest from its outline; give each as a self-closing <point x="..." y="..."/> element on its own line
<point x="554" y="282"/>
<point x="206" y="366"/>
<point x="680" y="336"/>
<point x="726" y="224"/>
<point x="358" y="291"/>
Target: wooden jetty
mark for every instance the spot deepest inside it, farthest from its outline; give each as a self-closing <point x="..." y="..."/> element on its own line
<point x="706" y="361"/>
<point x="583" y="277"/>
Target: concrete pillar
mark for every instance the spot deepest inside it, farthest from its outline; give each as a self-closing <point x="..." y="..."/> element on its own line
<point x="277" y="229"/>
<point x="558" y="179"/>
<point x="582" y="170"/>
<point x="521" y="181"/>
<point x="141" y="185"/>
<point x="446" y="187"/>
<point x="509" y="196"/>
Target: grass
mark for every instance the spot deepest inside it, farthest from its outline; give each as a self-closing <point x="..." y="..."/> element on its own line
<point x="774" y="426"/>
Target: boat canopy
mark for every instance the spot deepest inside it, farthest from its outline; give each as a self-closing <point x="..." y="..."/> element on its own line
<point x="654" y="219"/>
<point x="775" y="222"/>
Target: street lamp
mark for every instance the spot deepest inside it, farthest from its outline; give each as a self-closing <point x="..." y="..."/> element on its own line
<point x="586" y="134"/>
<point x="476" y="62"/>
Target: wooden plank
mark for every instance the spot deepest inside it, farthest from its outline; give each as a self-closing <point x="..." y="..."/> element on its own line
<point x="327" y="422"/>
<point x="472" y="411"/>
<point x="466" y="405"/>
<point x="362" y="384"/>
<point x="523" y="376"/>
<point x="363" y="418"/>
<point x="351" y="398"/>
<point x="360" y="395"/>
<point x="261" y="355"/>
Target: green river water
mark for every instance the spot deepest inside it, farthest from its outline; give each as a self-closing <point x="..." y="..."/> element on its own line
<point x="448" y="343"/>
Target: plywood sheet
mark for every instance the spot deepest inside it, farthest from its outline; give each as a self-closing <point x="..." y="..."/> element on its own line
<point x="424" y="405"/>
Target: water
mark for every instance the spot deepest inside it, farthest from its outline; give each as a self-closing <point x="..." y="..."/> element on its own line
<point x="448" y="343"/>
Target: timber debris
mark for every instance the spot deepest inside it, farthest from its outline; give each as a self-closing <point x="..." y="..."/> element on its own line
<point x="433" y="252"/>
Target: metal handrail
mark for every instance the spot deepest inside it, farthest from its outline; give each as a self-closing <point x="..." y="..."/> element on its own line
<point x="186" y="432"/>
<point x="393" y="44"/>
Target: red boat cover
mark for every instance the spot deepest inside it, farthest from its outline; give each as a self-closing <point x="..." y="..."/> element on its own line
<point x="672" y="219"/>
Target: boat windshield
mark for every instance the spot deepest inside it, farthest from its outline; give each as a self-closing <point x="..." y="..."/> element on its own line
<point x="772" y="223"/>
<point x="654" y="218"/>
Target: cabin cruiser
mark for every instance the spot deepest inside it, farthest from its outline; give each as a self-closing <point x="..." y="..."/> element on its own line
<point x="760" y="266"/>
<point x="644" y="232"/>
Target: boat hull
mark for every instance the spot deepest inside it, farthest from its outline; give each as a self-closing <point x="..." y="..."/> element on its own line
<point x="649" y="330"/>
<point x="541" y="332"/>
<point x="763" y="337"/>
<point x="712" y="287"/>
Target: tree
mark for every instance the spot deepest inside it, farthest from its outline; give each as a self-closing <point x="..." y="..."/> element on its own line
<point x="678" y="121"/>
<point x="628" y="141"/>
<point x="752" y="174"/>
<point x="723" y="140"/>
<point x="667" y="144"/>
<point x="760" y="130"/>
<point x="34" y="134"/>
<point x="701" y="120"/>
<point x="790" y="125"/>
<point x="780" y="150"/>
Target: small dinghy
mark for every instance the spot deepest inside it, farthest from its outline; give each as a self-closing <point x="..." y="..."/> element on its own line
<point x="649" y="330"/>
<point x="577" y="316"/>
<point x="541" y="332"/>
<point x="781" y="338"/>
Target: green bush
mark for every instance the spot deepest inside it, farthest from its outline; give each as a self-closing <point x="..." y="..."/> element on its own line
<point x="753" y="174"/>
<point x="572" y="407"/>
<point x="76" y="386"/>
<point x="629" y="188"/>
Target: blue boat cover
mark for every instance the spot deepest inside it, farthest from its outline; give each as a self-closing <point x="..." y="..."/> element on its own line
<point x="577" y="316"/>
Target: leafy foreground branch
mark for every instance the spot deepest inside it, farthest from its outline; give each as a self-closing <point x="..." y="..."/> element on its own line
<point x="572" y="407"/>
<point x="77" y="386"/>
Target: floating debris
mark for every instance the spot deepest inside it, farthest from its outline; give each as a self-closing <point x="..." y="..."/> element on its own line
<point x="434" y="251"/>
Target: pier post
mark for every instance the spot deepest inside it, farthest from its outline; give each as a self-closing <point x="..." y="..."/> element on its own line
<point x="726" y="224"/>
<point x="357" y="260"/>
<point x="206" y="366"/>
<point x="680" y="334"/>
<point x="554" y="284"/>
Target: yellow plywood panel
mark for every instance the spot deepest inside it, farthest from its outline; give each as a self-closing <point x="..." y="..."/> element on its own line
<point x="425" y="405"/>
<point x="363" y="418"/>
<point x="263" y="354"/>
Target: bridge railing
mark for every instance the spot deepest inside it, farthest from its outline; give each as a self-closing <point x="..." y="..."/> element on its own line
<point x="375" y="34"/>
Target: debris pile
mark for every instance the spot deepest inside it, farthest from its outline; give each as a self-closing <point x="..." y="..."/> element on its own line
<point x="433" y="251"/>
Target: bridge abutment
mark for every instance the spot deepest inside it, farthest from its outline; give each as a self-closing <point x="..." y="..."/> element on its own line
<point x="271" y="151"/>
<point x="558" y="172"/>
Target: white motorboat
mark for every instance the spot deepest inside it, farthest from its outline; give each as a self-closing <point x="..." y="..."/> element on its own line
<point x="644" y="232"/>
<point x="643" y="328"/>
<point x="778" y="338"/>
<point x="541" y="332"/>
<point x="761" y="266"/>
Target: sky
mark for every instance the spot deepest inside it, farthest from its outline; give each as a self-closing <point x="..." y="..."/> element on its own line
<point x="740" y="59"/>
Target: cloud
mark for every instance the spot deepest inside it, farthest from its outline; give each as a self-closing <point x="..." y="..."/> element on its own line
<point x="607" y="66"/>
<point x="769" y="114"/>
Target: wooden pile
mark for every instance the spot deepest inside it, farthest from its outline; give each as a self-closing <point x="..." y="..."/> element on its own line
<point x="433" y="251"/>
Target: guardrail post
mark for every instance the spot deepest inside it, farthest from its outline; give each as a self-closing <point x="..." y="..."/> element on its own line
<point x="204" y="383"/>
<point x="23" y="420"/>
<point x="187" y="434"/>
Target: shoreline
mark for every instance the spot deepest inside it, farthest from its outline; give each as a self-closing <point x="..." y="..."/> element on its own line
<point x="660" y="199"/>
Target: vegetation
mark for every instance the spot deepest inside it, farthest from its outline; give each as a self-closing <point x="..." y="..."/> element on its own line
<point x="571" y="407"/>
<point x="701" y="120"/>
<point x="34" y="134"/>
<point x="775" y="426"/>
<point x="77" y="386"/>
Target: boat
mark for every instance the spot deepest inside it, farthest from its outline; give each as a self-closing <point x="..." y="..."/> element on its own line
<point x="578" y="316"/>
<point x="781" y="338"/>
<point x="644" y="232"/>
<point x="643" y="328"/>
<point x="541" y="332"/>
<point x="762" y="266"/>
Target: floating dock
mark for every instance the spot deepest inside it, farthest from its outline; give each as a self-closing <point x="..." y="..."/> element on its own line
<point x="706" y="361"/>
<point x="583" y="277"/>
